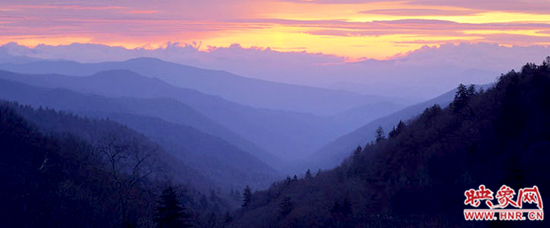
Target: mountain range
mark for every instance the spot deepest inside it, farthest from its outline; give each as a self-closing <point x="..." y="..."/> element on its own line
<point x="243" y="90"/>
<point x="152" y="117"/>
<point x="289" y="135"/>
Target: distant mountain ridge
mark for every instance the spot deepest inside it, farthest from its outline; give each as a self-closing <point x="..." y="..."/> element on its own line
<point x="289" y="135"/>
<point x="248" y="91"/>
<point x="125" y="84"/>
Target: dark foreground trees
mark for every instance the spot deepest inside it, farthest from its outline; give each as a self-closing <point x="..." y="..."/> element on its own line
<point x="247" y="197"/>
<point x="61" y="170"/>
<point x="170" y="213"/>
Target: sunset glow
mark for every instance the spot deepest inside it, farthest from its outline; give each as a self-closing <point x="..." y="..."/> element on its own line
<point x="355" y="29"/>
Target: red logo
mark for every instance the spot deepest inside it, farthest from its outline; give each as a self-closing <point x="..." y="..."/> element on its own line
<point x="505" y="198"/>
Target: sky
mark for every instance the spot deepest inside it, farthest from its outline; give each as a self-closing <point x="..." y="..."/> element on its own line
<point x="350" y="29"/>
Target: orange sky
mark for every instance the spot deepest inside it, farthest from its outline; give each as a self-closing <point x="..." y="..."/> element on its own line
<point x="351" y="28"/>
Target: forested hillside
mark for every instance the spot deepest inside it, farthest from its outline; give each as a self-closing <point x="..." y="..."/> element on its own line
<point x="126" y="92"/>
<point x="174" y="119"/>
<point x="60" y="170"/>
<point x="225" y="164"/>
<point x="417" y="175"/>
<point x="331" y="154"/>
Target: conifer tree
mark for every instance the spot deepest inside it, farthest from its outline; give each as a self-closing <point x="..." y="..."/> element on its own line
<point x="397" y="130"/>
<point x="170" y="213"/>
<point x="286" y="206"/>
<point x="380" y="134"/>
<point x="308" y="174"/>
<point x="247" y="195"/>
<point x="461" y="98"/>
<point x="357" y="151"/>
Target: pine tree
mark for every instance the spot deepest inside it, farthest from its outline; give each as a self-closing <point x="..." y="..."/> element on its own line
<point x="286" y="206"/>
<point x="357" y="151"/>
<point x="397" y="130"/>
<point x="169" y="211"/>
<point x="247" y="195"/>
<point x="227" y="218"/>
<point x="380" y="134"/>
<point x="308" y="175"/>
<point x="461" y="98"/>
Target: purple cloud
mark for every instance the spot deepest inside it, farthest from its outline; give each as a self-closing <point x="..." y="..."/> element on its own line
<point x="421" y="12"/>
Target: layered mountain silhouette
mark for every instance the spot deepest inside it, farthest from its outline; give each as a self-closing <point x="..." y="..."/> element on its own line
<point x="289" y="135"/>
<point x="198" y="147"/>
<point x="247" y="91"/>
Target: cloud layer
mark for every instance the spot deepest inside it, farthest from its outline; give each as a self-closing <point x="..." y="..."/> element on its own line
<point x="356" y="29"/>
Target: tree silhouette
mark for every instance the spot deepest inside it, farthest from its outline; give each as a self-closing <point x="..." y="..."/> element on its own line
<point x="357" y="151"/>
<point x="129" y="162"/>
<point x="308" y="174"/>
<point x="462" y="97"/>
<point x="170" y="213"/>
<point x="286" y="206"/>
<point x="247" y="197"/>
<point x="397" y="130"/>
<point x="380" y="134"/>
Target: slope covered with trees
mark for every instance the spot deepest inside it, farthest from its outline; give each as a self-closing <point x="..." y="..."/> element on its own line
<point x="331" y="154"/>
<point x="125" y="91"/>
<point x="170" y="128"/>
<point x="60" y="170"/>
<point x="418" y="175"/>
<point x="217" y="160"/>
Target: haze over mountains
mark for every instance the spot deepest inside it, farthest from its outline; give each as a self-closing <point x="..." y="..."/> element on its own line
<point x="199" y="148"/>
<point x="247" y="91"/>
<point x="290" y="134"/>
<point x="296" y="127"/>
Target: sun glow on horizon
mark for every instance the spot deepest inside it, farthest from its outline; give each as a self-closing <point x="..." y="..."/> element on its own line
<point x="377" y="30"/>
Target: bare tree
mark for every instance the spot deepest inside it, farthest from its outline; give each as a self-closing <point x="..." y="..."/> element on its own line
<point x="129" y="161"/>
